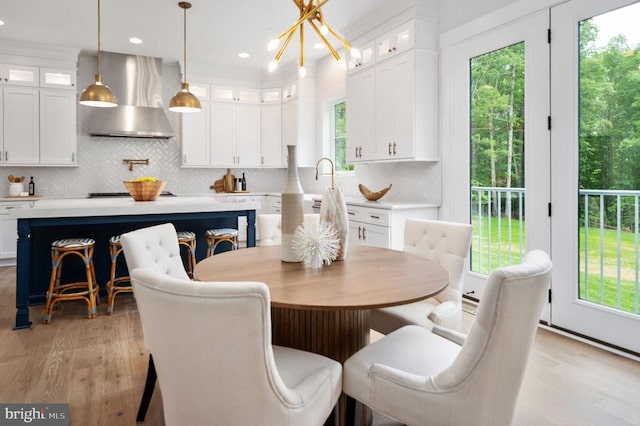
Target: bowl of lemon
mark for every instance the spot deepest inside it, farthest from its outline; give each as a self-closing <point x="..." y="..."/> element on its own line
<point x="145" y="188"/>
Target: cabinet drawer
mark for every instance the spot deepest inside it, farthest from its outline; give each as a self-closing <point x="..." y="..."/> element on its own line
<point x="370" y="215"/>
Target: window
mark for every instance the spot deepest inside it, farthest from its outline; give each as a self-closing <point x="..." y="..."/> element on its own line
<point x="339" y="136"/>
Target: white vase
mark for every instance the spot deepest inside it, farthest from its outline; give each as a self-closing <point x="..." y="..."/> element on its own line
<point x="292" y="207"/>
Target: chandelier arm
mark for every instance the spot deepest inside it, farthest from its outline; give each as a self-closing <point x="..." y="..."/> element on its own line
<point x="285" y="44"/>
<point x="298" y="3"/>
<point x="324" y="40"/>
<point x="302" y="45"/>
<point x="336" y="35"/>
<point x="303" y="17"/>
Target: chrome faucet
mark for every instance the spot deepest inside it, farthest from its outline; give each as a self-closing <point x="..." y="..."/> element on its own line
<point x="332" y="170"/>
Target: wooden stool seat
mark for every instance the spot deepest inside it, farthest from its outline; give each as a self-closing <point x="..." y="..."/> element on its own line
<point x="81" y="290"/>
<point x="220" y="235"/>
<point x="116" y="285"/>
<point x="188" y="239"/>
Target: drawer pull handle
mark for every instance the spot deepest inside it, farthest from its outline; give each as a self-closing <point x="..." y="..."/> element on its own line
<point x="372" y="216"/>
<point x="364" y="235"/>
<point x="351" y="213"/>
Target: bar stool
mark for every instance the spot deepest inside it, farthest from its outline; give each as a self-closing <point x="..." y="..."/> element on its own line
<point x="81" y="290"/>
<point x="116" y="285"/>
<point x="217" y="236"/>
<point x="188" y="239"/>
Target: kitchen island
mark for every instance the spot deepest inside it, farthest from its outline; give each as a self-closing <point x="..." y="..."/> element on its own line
<point x="43" y="221"/>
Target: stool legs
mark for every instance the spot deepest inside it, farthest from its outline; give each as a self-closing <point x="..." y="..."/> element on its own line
<point x="214" y="241"/>
<point x="191" y="255"/>
<point x="115" y="284"/>
<point x="63" y="292"/>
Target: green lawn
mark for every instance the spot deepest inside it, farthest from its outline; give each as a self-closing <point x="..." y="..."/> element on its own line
<point x="606" y="294"/>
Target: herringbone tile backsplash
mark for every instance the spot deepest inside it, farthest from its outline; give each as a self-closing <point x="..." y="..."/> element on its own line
<point x="100" y="167"/>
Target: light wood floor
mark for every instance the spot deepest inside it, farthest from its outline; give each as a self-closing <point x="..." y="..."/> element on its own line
<point x="98" y="366"/>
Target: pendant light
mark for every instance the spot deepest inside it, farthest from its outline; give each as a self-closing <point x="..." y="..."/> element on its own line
<point x="184" y="100"/>
<point x="98" y="94"/>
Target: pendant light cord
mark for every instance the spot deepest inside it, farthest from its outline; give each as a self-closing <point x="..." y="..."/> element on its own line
<point x="98" y="37"/>
<point x="184" y="41"/>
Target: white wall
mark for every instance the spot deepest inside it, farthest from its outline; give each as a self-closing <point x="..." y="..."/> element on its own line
<point x="454" y="13"/>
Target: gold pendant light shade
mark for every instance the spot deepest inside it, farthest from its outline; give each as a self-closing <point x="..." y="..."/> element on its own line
<point x="184" y="100"/>
<point x="98" y="94"/>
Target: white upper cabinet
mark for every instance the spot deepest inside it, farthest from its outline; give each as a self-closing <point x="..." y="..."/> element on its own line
<point x="58" y="127"/>
<point x="19" y="75"/>
<point x="271" y="137"/>
<point x="392" y="106"/>
<point x="298" y="121"/>
<point x="196" y="140"/>
<point x="21" y="127"/>
<point x="367" y="57"/>
<point x="235" y="135"/>
<point x="235" y="94"/>
<point x="201" y="90"/>
<point x="58" y="78"/>
<point x="271" y="96"/>
<point x="290" y="91"/>
<point x="396" y="41"/>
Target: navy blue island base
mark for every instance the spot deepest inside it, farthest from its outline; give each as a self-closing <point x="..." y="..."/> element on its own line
<point x="35" y="235"/>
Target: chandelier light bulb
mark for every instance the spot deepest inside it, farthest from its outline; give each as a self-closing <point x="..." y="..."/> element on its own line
<point x="356" y="53"/>
<point x="273" y="65"/>
<point x="273" y="44"/>
<point x="302" y="72"/>
<point x="324" y="30"/>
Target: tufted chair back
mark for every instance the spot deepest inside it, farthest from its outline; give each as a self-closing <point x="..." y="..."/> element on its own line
<point x="448" y="244"/>
<point x="215" y="361"/>
<point x="269" y="224"/>
<point x="444" y="242"/>
<point x="155" y="247"/>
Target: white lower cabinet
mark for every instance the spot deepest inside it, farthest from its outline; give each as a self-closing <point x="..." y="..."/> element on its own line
<point x="9" y="232"/>
<point x="384" y="227"/>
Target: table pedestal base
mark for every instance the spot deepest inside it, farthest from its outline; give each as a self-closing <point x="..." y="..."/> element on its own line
<point x="334" y="334"/>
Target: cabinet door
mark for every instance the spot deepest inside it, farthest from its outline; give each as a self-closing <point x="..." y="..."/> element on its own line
<point x="196" y="139"/>
<point x="355" y="233"/>
<point x="367" y="57"/>
<point x="20" y="75"/>
<point x="376" y="236"/>
<point x="57" y="78"/>
<point x="222" y="129"/>
<point x="271" y="140"/>
<point x="247" y="135"/>
<point x="271" y="96"/>
<point x="396" y="41"/>
<point x="361" y="111"/>
<point x="8" y="236"/>
<point x="21" y="125"/>
<point x="386" y="109"/>
<point x="58" y="127"/>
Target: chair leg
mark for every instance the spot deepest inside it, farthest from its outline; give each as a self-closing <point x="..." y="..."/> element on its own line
<point x="148" y="391"/>
<point x="350" y="414"/>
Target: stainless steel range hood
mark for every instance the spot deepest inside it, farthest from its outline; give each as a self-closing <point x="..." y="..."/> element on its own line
<point x="137" y="83"/>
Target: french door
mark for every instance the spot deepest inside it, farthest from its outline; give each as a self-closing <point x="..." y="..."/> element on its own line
<point x="496" y="167"/>
<point x="595" y="106"/>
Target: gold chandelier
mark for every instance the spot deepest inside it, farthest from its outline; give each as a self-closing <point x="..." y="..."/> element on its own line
<point x="184" y="100"/>
<point x="312" y="13"/>
<point x="98" y="94"/>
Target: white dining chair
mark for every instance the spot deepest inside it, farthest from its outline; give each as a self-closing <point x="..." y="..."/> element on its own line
<point x="441" y="377"/>
<point x="211" y="343"/>
<point x="448" y="244"/>
<point x="155" y="247"/>
<point x="269" y="227"/>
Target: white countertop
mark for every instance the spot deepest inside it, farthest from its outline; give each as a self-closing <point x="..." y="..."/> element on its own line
<point x="118" y="206"/>
<point x="387" y="205"/>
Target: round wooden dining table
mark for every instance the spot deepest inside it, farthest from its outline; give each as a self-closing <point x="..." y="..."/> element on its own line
<point x="327" y="311"/>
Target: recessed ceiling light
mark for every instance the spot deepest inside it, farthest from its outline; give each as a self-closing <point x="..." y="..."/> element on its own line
<point x="135" y="40"/>
<point x="243" y="55"/>
<point x="319" y="46"/>
<point x="1" y="22"/>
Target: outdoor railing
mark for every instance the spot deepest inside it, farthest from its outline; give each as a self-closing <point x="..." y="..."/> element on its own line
<point x="609" y="223"/>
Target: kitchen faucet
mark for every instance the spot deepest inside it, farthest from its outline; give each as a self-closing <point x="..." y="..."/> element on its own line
<point x="332" y="170"/>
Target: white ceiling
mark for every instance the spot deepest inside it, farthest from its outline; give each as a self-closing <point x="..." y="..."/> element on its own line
<point x="217" y="30"/>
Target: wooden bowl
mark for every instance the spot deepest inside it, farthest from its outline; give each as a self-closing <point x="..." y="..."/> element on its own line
<point x="145" y="191"/>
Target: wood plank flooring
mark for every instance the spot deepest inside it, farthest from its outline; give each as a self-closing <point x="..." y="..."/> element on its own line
<point x="98" y="366"/>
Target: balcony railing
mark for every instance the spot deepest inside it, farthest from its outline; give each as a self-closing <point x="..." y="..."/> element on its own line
<point x="608" y="232"/>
